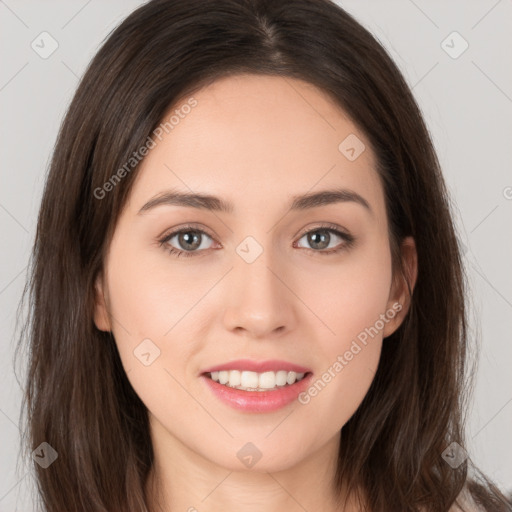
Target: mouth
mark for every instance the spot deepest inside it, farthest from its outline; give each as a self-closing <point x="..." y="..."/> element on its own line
<point x="257" y="392"/>
<point x="257" y="386"/>
<point x="254" y="381"/>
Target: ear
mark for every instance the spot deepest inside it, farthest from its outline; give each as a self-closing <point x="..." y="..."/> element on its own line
<point x="399" y="297"/>
<point x="101" y="316"/>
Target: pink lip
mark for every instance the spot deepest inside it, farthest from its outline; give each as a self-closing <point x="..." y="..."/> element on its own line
<point x="257" y="401"/>
<point x="258" y="366"/>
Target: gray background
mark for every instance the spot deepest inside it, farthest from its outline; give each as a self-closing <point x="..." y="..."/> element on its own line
<point x="467" y="103"/>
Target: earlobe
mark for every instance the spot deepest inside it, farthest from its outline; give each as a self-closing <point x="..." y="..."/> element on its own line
<point x="101" y="317"/>
<point x="400" y="296"/>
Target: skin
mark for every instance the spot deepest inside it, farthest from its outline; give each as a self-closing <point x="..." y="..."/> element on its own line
<point x="255" y="141"/>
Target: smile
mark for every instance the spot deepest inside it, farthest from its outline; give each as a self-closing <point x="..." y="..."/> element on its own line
<point x="253" y="381"/>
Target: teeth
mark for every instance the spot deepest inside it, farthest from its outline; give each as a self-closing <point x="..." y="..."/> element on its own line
<point x="252" y="381"/>
<point x="249" y="380"/>
<point x="235" y="378"/>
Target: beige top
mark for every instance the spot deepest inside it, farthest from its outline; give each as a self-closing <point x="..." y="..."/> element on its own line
<point x="466" y="500"/>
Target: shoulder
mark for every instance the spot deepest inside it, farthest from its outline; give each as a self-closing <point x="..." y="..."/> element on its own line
<point x="466" y="501"/>
<point x="463" y="503"/>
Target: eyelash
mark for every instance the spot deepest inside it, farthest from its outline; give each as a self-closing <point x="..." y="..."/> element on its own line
<point x="331" y="228"/>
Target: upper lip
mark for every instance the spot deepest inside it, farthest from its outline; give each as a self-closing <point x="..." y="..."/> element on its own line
<point x="250" y="365"/>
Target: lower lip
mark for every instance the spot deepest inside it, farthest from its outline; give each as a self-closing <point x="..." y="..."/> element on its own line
<point x="258" y="401"/>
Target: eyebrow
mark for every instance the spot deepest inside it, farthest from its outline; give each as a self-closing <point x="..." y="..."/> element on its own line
<point x="213" y="203"/>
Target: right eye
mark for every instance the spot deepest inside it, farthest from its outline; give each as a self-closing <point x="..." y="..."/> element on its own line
<point x="188" y="240"/>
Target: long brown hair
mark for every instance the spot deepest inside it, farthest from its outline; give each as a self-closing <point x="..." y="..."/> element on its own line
<point x="78" y="398"/>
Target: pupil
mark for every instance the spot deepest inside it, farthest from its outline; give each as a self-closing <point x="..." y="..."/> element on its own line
<point x="186" y="238"/>
<point x="315" y="239"/>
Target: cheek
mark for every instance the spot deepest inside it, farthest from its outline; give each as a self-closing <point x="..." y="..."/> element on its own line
<point x="152" y="304"/>
<point x="150" y="292"/>
<point x="352" y="302"/>
<point x="349" y="296"/>
<point x="149" y="302"/>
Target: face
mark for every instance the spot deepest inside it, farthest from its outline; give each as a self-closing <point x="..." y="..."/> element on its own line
<point x="271" y="278"/>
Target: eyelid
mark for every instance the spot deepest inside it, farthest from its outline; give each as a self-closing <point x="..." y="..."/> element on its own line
<point x="327" y="226"/>
<point x="169" y="233"/>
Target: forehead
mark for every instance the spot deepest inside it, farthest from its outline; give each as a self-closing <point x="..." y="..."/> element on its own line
<point x="251" y="138"/>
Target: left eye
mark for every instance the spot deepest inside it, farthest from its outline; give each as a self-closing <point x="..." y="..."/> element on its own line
<point x="321" y="238"/>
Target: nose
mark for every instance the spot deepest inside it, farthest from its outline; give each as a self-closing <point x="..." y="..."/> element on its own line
<point x="260" y="300"/>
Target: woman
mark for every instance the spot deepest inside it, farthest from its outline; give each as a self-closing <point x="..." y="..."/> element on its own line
<point x="247" y="290"/>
